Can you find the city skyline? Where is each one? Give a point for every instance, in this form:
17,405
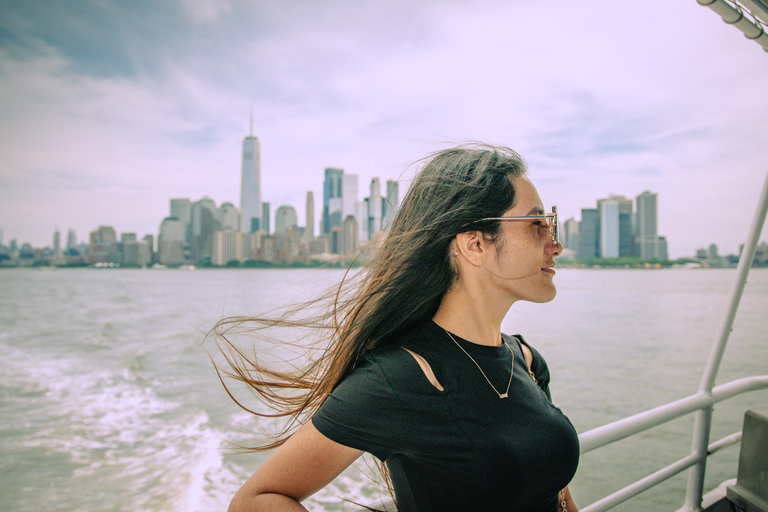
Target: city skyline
199,232
107,111
342,188
617,227
614,229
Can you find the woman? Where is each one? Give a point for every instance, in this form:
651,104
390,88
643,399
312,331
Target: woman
417,372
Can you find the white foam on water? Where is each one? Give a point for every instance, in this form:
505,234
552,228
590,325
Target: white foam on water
102,410
127,442
122,439
207,483
354,484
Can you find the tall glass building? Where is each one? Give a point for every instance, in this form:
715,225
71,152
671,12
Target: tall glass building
646,213
250,189
332,199
589,234
609,228
649,244
614,244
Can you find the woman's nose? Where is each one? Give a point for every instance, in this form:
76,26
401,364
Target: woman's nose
555,248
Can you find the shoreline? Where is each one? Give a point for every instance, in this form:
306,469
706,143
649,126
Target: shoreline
337,266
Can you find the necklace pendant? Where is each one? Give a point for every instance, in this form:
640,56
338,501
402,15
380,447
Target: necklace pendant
505,395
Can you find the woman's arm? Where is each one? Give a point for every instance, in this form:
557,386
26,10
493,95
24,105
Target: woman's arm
570,505
306,463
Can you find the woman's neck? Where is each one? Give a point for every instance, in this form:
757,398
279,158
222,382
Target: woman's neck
472,315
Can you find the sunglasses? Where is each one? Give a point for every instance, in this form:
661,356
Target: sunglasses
549,218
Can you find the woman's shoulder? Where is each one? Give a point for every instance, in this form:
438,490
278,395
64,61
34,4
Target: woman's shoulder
387,360
420,337
522,342
426,337
398,362
538,364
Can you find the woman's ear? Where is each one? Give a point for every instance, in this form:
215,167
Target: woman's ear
470,246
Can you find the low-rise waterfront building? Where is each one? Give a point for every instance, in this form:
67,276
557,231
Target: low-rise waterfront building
233,245
102,246
136,252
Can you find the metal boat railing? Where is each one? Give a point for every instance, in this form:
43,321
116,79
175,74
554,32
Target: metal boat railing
753,26
644,421
701,403
749,16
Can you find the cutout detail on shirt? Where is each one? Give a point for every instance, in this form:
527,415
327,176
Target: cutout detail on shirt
426,369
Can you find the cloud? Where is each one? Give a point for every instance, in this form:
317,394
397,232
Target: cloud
206,11
155,98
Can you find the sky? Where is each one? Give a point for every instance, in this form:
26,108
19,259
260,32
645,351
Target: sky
109,109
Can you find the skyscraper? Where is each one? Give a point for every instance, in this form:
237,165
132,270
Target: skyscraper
309,229
71,239
56,241
265,217
150,240
649,244
228,217
348,194
571,239
361,213
170,241
609,228
204,223
334,238
624,220
250,188
285,218
390,204
589,234
181,209
646,214
374,208
349,235
332,199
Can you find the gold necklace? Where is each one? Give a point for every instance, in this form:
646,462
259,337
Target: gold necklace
561,495
511,370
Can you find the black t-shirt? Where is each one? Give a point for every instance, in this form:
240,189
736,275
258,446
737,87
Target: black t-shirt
463,448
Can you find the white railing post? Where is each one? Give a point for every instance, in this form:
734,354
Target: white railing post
701,428
695,490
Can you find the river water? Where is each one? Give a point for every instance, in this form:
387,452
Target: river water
109,401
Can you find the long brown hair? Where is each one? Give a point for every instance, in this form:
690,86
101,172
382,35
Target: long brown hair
408,273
